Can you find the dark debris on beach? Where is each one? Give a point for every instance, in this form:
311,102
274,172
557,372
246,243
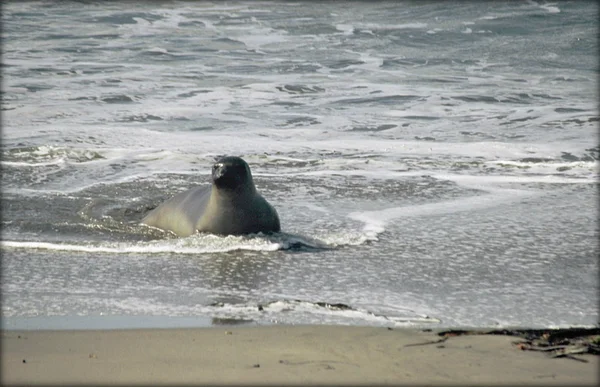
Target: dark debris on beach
564,342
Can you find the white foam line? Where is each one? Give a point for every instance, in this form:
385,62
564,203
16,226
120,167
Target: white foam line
572,164
466,179
127,249
34,192
375,221
316,311
548,7
383,174
483,182
26,164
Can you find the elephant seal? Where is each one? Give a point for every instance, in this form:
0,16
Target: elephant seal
231,206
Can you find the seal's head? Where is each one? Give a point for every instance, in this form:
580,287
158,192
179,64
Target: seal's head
232,173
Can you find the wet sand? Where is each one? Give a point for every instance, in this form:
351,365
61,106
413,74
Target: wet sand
287,355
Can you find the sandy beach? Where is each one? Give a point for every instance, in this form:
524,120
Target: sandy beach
288,355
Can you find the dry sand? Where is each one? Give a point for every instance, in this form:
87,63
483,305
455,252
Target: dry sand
285,355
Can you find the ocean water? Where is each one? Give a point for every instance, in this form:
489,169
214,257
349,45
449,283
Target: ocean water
433,163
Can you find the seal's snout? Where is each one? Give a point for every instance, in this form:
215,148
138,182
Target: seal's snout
219,170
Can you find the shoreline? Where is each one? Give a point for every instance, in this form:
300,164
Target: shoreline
120,322
308,354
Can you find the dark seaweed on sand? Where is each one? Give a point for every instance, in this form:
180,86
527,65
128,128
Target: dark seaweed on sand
564,342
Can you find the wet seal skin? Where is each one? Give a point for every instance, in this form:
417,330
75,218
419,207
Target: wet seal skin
230,206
